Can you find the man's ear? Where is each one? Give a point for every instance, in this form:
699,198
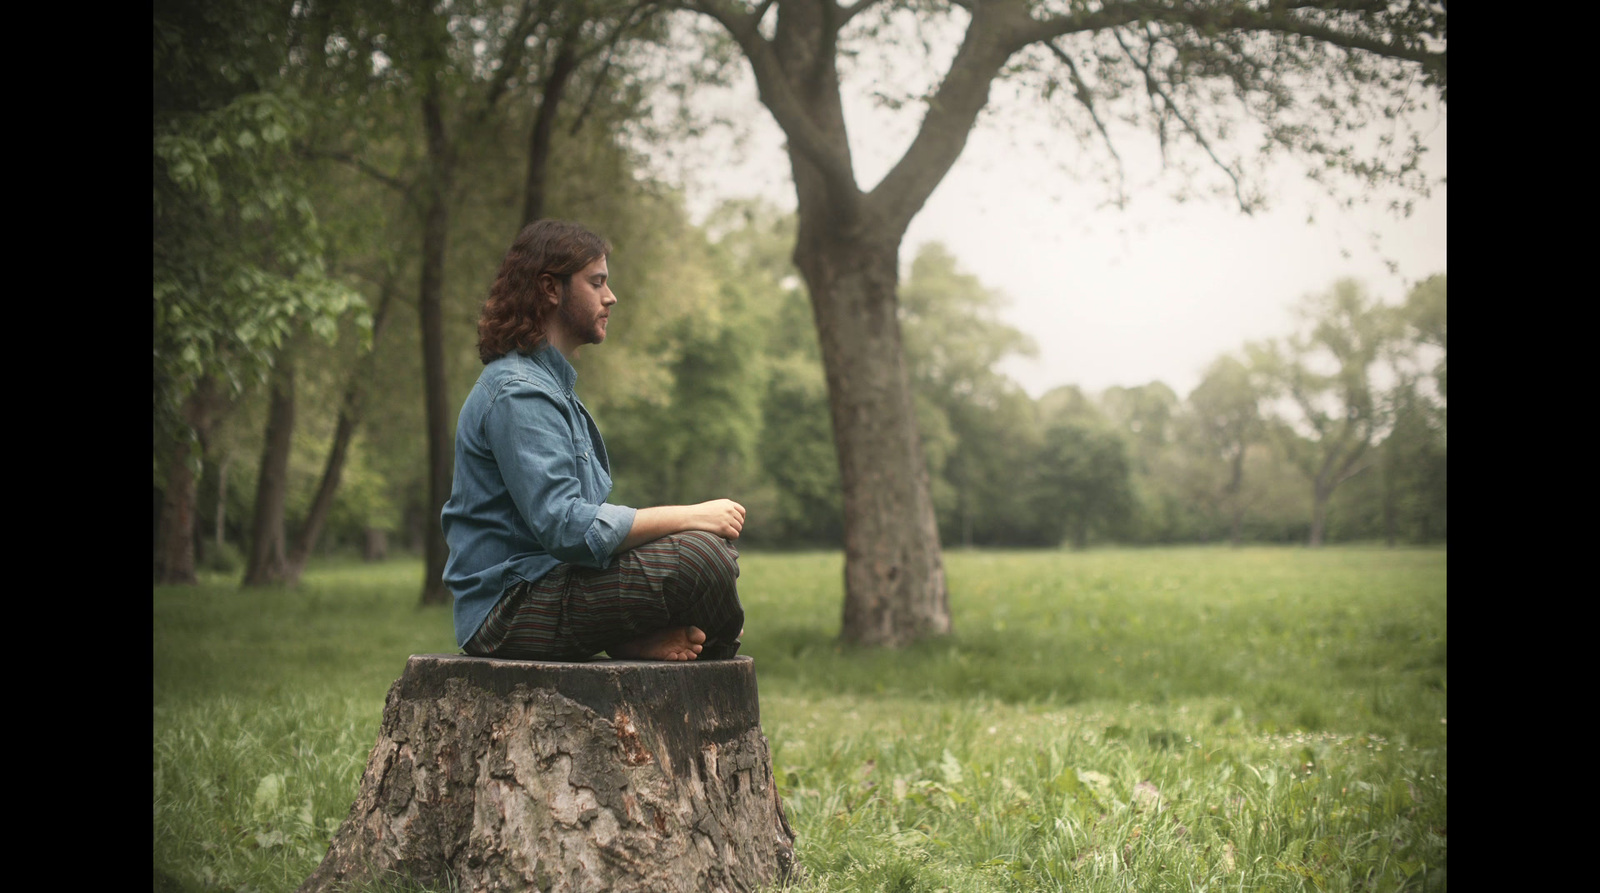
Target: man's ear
549,288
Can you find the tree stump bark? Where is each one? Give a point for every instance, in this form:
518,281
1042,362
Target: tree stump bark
600,776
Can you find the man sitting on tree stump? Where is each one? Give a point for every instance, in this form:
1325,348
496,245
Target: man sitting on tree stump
541,566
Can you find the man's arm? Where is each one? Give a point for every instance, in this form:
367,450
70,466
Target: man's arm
723,517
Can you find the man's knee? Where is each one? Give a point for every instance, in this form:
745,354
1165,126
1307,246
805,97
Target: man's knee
713,552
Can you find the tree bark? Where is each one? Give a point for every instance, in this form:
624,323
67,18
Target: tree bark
622,776
266,565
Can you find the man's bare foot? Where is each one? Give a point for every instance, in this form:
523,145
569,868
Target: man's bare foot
673,643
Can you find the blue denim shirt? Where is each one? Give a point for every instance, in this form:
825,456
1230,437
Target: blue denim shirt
531,479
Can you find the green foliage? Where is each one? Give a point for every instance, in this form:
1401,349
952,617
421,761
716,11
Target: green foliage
1083,483
238,250
978,427
239,257
1424,314
1107,720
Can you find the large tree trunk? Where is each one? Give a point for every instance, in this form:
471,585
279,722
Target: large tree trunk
895,589
847,249
266,565
621,776
435,240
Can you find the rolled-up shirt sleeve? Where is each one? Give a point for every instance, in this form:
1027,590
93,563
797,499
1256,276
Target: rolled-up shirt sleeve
538,457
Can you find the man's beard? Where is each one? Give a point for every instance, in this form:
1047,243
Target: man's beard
587,331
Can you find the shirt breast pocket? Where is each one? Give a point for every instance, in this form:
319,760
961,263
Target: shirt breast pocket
588,463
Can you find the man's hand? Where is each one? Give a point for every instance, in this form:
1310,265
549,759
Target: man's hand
723,517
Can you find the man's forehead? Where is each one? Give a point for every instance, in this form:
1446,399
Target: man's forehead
598,266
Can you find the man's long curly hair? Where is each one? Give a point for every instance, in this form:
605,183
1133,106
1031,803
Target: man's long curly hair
514,317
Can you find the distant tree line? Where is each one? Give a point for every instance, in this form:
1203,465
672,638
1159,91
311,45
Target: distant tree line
331,199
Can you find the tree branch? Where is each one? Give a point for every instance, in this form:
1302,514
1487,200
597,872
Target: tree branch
1030,30
638,15
388,180
1277,19
853,10
1082,93
1239,17
778,95
1153,85
511,57
952,112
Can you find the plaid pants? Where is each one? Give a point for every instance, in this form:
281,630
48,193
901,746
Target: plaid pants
572,613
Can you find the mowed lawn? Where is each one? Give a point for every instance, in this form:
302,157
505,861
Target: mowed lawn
1129,720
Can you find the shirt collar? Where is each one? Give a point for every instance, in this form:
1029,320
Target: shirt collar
552,360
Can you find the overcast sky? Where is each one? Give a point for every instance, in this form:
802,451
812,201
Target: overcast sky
1154,291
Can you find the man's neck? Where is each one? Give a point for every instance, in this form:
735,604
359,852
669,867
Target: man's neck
562,340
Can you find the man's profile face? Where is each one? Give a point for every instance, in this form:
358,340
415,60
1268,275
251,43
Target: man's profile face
586,304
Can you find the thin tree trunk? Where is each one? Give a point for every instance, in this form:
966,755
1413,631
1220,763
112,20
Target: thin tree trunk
1234,488
1319,515
350,414
266,564
376,545
1390,498
435,241
966,511
555,85
175,527
222,499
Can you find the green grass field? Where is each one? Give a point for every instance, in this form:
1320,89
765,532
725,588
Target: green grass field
1129,720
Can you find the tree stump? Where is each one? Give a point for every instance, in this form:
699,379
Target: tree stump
600,776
